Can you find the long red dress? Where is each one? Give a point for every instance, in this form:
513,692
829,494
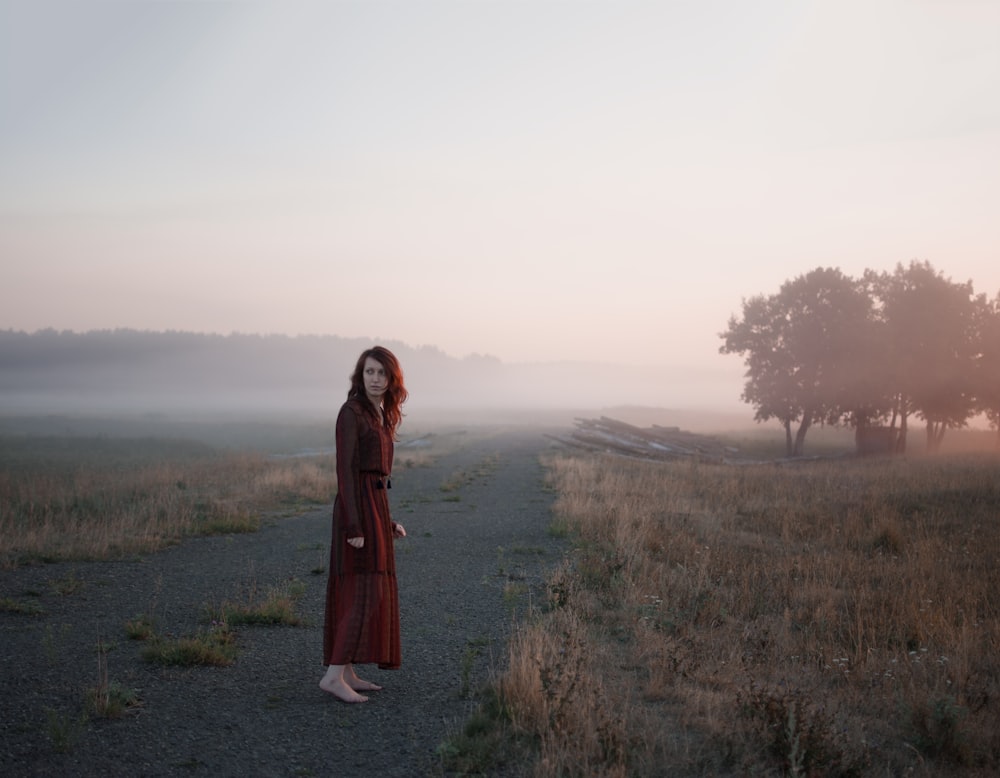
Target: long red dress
362,596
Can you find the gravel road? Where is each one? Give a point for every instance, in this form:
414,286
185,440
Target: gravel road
265,715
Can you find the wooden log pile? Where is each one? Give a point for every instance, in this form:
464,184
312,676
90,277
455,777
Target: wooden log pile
655,442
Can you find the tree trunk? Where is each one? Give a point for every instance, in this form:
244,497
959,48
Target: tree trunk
901,440
800,436
935,435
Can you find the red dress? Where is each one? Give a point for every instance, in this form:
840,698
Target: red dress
362,597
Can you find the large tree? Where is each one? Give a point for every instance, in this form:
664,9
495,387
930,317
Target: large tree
804,349
931,325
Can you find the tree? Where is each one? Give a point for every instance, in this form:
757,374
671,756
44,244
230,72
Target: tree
804,348
987,376
931,325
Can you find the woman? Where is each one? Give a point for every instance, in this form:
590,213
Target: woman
362,601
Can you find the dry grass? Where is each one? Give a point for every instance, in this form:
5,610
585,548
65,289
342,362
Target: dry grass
84,498
94,499
824,618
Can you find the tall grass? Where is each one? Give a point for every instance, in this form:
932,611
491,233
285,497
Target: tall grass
822,618
83,498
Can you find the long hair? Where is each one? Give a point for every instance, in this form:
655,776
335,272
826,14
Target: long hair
395,395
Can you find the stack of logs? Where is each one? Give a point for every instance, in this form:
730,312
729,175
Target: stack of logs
656,442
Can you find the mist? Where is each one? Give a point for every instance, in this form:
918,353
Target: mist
144,372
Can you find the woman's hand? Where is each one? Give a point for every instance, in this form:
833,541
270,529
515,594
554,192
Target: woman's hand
397,530
358,542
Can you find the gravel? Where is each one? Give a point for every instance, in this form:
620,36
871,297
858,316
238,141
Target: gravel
265,715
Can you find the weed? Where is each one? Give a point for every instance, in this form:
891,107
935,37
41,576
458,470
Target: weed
64,729
240,522
453,482
214,647
800,736
484,742
936,728
109,699
460,478
514,592
276,606
29,607
112,700
68,584
468,661
140,628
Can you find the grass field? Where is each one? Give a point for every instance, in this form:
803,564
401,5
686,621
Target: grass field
828,617
95,488
817,618
95,498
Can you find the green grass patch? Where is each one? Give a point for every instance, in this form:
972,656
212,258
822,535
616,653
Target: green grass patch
64,729
140,628
215,647
485,742
276,607
112,700
26,607
238,523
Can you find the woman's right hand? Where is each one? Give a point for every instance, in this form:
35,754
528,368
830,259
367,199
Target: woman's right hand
358,542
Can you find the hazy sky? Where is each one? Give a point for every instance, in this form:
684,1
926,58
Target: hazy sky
533,180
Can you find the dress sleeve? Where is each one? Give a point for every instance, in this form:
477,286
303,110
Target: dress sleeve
348,438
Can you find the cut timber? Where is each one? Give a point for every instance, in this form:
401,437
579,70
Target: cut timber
656,442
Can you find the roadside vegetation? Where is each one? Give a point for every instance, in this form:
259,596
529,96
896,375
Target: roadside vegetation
95,498
809,618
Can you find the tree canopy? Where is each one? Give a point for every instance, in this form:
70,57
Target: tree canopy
869,353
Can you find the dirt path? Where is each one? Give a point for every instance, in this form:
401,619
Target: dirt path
265,715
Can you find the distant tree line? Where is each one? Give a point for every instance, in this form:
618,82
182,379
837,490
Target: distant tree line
126,368
870,353
187,365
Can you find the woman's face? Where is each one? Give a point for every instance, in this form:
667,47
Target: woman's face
376,380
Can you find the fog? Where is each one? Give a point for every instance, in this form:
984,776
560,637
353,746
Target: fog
133,372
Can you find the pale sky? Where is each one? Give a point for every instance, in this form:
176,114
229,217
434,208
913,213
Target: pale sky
531,180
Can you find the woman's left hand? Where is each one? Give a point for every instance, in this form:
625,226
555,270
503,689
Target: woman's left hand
397,530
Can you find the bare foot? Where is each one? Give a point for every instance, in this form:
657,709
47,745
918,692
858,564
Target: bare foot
359,684
341,691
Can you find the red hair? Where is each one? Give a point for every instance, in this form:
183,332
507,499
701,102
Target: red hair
395,395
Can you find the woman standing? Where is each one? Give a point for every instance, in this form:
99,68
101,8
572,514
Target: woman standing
362,598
